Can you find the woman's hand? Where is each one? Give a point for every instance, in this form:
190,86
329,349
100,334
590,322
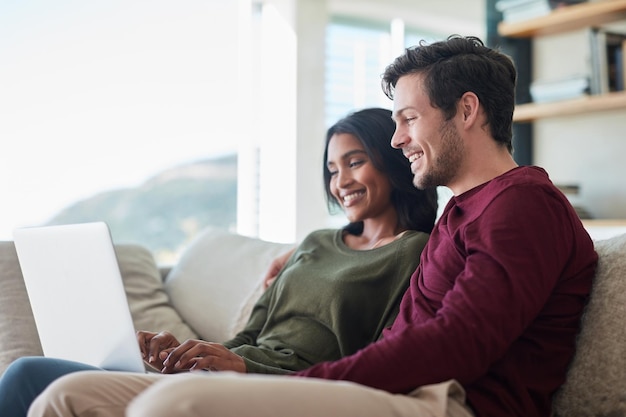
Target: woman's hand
198,355
275,267
155,347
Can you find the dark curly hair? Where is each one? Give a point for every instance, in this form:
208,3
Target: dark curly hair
456,66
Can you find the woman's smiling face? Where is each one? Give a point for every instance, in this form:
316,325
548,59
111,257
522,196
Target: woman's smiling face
358,186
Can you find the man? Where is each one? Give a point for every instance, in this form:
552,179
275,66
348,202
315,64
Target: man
488,325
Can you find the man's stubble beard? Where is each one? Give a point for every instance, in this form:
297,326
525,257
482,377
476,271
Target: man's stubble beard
445,167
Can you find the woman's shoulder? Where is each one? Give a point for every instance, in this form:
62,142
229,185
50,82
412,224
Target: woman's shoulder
323,233
321,236
411,241
415,236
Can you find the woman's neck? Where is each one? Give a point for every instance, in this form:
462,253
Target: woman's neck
373,236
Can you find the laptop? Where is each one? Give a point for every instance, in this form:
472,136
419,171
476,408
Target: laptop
77,296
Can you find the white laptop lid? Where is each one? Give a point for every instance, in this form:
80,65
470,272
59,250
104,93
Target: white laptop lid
77,296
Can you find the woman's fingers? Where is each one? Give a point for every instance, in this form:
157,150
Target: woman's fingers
197,355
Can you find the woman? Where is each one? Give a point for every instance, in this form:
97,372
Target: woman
334,295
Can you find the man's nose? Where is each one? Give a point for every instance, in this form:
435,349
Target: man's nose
398,140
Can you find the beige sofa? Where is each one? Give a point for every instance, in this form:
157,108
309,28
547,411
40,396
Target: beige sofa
209,293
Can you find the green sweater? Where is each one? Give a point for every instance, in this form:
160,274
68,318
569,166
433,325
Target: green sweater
327,302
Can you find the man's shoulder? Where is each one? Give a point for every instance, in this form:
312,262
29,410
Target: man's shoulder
521,182
523,175
521,195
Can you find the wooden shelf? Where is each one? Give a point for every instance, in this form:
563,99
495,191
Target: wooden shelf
588,104
568,18
604,222
600,229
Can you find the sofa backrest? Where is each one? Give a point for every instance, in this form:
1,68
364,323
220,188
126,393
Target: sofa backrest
218,279
596,381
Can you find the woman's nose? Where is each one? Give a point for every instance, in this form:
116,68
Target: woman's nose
344,178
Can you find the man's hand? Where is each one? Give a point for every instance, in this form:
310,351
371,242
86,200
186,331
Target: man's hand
198,355
275,267
155,347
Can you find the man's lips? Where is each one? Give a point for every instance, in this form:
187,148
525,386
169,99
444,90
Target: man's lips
414,156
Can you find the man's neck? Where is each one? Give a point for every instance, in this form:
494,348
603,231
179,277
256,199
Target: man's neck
482,168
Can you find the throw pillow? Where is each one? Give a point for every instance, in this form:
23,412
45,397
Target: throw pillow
217,280
147,299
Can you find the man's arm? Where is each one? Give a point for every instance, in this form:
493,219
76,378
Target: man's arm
511,266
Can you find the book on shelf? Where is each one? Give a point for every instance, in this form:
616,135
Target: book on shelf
607,60
620,76
564,3
543,91
572,192
518,10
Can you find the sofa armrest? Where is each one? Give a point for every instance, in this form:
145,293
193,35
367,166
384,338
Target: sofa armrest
18,333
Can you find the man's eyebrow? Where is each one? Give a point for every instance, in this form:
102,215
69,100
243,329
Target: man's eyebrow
398,113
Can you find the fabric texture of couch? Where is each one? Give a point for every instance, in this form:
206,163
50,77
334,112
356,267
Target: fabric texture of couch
209,293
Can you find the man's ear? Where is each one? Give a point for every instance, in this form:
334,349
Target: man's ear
468,106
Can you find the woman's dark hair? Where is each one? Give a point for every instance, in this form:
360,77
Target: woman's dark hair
373,127
458,65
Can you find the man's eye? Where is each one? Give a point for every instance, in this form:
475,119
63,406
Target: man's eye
408,120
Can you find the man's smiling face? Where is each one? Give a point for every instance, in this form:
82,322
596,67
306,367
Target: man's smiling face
432,144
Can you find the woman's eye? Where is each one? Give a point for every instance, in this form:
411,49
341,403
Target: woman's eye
332,173
354,164
408,120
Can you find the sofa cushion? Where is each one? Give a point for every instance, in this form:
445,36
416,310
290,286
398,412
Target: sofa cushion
18,333
217,280
147,299
596,381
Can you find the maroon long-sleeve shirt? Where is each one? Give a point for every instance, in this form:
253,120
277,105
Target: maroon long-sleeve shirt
495,303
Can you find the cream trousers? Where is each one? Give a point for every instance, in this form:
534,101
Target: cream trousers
224,394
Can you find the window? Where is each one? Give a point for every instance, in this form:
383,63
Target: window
413,37
357,53
123,112
118,111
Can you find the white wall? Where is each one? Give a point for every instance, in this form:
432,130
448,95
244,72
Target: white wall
312,18
290,129
101,95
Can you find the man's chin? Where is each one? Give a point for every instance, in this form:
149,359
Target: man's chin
418,182
423,182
